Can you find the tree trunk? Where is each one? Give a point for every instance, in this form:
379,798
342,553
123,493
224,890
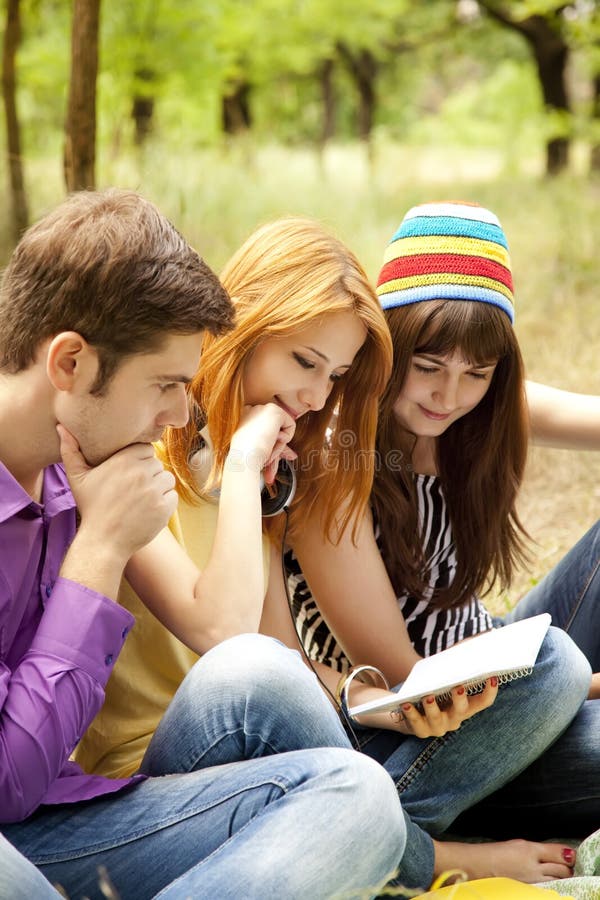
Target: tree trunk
363,69
551,54
595,153
12,37
328,98
365,81
80,136
235,109
142,109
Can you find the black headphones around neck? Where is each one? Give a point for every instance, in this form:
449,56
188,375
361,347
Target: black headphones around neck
279,495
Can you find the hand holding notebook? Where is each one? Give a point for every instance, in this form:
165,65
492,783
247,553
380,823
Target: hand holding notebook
508,652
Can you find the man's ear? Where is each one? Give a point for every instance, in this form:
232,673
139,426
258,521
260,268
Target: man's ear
71,362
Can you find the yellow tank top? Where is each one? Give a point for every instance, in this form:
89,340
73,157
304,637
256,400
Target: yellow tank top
151,666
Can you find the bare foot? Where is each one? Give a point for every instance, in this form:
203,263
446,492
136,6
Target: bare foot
594,693
522,860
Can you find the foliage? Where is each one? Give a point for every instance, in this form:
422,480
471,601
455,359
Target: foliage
430,62
42,72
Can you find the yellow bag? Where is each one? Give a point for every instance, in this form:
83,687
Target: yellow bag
491,889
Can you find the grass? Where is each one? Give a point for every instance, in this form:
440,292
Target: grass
218,196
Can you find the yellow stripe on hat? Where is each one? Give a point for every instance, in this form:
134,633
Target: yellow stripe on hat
401,284
462,246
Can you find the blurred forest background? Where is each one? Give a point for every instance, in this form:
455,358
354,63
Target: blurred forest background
228,113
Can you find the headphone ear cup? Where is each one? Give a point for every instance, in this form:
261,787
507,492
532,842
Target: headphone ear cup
279,495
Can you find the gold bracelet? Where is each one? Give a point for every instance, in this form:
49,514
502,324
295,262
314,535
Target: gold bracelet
343,685
339,687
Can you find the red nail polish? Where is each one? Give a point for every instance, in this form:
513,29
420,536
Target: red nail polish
493,681
431,700
406,707
460,690
569,856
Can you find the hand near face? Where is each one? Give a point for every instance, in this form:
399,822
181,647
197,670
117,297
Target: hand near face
262,438
124,501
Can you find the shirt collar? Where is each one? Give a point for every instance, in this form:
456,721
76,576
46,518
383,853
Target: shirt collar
13,498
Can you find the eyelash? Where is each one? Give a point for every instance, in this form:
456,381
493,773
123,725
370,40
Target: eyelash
163,388
302,361
431,370
306,364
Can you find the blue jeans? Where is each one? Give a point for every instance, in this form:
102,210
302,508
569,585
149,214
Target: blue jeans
436,779
559,794
310,823
571,594
439,778
19,879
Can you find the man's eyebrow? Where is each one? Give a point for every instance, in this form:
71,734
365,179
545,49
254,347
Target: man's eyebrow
326,358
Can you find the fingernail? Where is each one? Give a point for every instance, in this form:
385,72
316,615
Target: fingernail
406,707
494,681
460,690
568,856
431,700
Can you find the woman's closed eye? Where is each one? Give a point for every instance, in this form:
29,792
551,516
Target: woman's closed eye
482,375
303,361
427,370
432,369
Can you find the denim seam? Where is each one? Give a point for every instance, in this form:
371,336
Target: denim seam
581,597
175,819
418,764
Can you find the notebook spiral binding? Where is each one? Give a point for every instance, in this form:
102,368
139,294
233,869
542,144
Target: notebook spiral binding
476,687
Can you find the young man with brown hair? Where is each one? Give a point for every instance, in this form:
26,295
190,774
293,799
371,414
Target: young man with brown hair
102,310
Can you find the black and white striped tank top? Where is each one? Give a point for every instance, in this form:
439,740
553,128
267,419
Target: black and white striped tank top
430,630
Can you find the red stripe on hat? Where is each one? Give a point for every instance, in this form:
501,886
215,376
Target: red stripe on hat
451,263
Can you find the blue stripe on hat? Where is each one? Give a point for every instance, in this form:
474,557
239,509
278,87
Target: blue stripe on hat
422,226
446,292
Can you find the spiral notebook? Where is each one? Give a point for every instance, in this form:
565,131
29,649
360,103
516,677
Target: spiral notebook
508,652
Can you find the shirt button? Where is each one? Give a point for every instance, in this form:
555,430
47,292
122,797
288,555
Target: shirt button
108,659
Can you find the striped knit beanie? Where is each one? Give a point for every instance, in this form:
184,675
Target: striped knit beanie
447,251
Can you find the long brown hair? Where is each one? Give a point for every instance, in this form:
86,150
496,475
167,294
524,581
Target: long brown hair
480,457
288,275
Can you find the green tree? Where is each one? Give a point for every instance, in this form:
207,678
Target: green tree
542,25
159,62
583,23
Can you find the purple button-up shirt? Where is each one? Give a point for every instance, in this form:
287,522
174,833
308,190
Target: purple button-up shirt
58,644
